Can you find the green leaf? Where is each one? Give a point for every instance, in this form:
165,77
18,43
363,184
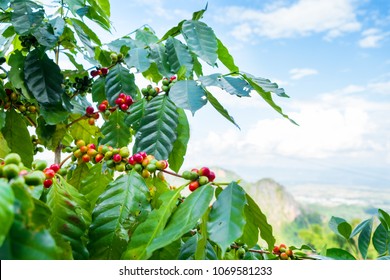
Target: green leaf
158,55
201,248
136,113
153,226
339,254
98,90
6,209
226,58
227,219
218,106
250,234
179,149
87,31
4,149
384,217
93,184
340,227
81,171
173,32
83,130
188,95
97,12
138,58
260,220
199,14
118,80
359,228
146,35
169,252
268,86
84,38
201,40
157,132
116,132
266,96
381,240
105,6
232,85
17,136
178,56
54,113
16,73
26,16
67,219
184,218
44,36
384,258
58,25
121,207
4,4
188,249
152,74
43,78
365,238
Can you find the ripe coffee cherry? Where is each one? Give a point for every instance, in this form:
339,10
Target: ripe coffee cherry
86,158
91,146
211,176
91,152
99,158
55,167
204,171
83,149
89,110
104,71
138,158
283,256
124,107
172,78
102,107
143,154
129,100
47,183
161,164
91,121
276,250
94,73
193,185
289,253
80,143
116,158
132,160
49,173
119,101
122,95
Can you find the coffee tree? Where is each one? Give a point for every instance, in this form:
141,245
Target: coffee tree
115,144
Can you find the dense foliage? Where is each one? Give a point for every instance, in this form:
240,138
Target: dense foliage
99,200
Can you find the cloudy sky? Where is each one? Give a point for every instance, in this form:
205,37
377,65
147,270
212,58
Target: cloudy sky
333,59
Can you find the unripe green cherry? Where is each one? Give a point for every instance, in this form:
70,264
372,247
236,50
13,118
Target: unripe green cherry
12,158
11,170
241,253
151,167
203,180
124,152
186,175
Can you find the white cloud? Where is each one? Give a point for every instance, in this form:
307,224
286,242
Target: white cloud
371,38
299,73
304,17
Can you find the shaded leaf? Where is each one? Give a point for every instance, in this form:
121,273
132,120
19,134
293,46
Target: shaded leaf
227,218
4,149
83,130
184,218
178,56
26,16
384,217
146,35
119,209
16,73
179,149
339,254
188,249
381,240
340,227
136,113
157,131
153,226
365,238
201,40
116,132
118,80
138,58
98,90
159,56
6,209
188,95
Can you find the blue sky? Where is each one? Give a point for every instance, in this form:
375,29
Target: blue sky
332,58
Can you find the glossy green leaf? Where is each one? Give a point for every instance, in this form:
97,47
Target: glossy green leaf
188,95
116,132
136,113
45,36
266,96
98,90
43,78
153,226
227,218
105,6
384,258
232,85
339,254
84,38
83,130
121,207
152,73
118,80
146,35
260,220
173,32
18,139
269,86
16,73
359,227
87,31
54,113
384,217
6,209
58,25
78,174
184,218
188,249
178,56
138,58
98,13
26,16
203,242
4,149
67,219
93,184
169,252
201,40
340,227
365,238
157,131
179,149
158,55
381,240
250,234
226,58
218,106
199,14
4,4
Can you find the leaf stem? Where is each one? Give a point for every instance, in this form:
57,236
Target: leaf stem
65,160
76,120
172,173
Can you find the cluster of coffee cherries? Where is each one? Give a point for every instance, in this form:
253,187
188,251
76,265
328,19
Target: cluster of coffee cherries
36,142
81,86
283,252
50,172
92,115
116,57
12,169
15,100
198,177
28,41
150,92
99,72
118,159
240,249
123,102
168,83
